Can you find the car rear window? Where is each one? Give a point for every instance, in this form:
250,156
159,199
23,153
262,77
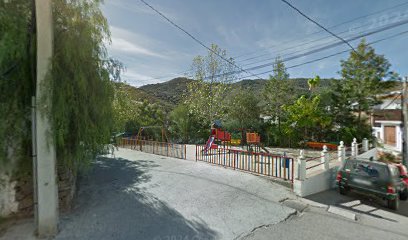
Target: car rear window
368,169
394,172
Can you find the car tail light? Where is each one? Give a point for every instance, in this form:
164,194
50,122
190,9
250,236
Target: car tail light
390,189
338,177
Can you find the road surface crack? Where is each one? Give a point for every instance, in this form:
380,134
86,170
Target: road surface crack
290,216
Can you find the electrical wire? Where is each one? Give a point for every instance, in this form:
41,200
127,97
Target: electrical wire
296,56
316,50
393,100
197,40
331,27
295,46
318,24
334,54
387,27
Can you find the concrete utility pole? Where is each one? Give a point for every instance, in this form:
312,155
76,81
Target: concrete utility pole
404,106
46,213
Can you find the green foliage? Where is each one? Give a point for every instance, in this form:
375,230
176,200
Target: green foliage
278,92
181,122
364,76
82,91
16,78
306,119
125,110
313,82
205,96
243,110
130,112
184,126
79,83
170,92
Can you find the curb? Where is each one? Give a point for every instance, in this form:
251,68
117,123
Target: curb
331,209
342,212
314,204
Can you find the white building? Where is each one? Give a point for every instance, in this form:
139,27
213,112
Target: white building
387,121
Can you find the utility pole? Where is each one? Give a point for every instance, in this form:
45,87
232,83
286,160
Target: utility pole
405,122
46,190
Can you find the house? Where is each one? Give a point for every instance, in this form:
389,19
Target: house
386,120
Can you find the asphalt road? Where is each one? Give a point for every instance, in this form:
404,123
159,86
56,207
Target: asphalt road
134,195
142,196
374,220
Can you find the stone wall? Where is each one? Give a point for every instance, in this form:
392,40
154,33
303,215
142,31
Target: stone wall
8,203
17,195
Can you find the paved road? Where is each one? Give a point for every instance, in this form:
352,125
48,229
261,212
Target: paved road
143,196
374,220
135,195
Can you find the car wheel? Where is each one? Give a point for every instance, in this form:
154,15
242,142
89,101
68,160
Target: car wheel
343,190
404,195
393,204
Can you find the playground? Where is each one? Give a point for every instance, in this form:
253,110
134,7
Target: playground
246,153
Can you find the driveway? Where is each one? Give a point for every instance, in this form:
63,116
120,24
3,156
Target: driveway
365,207
135,195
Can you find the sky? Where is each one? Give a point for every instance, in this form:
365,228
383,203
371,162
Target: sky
252,32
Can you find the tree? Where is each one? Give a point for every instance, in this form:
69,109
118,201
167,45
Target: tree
183,126
278,92
313,83
243,111
125,110
306,119
364,75
80,82
212,75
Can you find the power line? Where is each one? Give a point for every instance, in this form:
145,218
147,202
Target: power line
289,48
303,54
393,100
318,24
334,26
184,73
316,50
197,40
387,27
319,49
334,54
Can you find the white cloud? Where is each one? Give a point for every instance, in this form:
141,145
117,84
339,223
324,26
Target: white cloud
125,41
230,35
125,46
134,78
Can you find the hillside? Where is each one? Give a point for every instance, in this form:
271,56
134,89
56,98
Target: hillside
173,90
170,92
138,94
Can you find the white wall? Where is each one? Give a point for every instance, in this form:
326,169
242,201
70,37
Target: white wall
315,184
398,132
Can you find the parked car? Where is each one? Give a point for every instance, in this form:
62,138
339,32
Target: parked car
373,178
404,176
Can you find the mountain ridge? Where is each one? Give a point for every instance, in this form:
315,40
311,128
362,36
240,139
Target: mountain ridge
173,90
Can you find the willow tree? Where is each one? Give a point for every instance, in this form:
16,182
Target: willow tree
206,95
80,82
